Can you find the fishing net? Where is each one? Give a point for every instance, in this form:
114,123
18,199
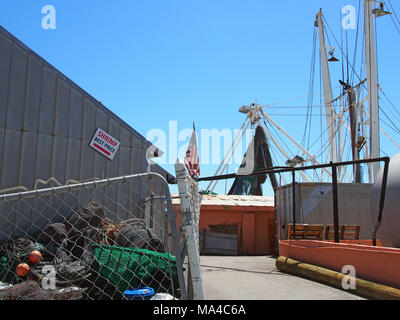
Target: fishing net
16,252
132,268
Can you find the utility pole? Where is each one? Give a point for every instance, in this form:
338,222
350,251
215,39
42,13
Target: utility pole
326,80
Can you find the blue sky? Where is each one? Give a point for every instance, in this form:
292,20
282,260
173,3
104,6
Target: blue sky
155,61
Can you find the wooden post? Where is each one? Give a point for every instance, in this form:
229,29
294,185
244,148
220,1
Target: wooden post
189,233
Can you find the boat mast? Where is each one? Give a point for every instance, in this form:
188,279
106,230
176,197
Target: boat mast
354,134
326,80
372,80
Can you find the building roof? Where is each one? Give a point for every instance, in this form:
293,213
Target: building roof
232,200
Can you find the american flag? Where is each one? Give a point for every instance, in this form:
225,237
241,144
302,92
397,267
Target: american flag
192,156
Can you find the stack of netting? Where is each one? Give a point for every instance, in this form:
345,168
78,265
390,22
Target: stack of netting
91,255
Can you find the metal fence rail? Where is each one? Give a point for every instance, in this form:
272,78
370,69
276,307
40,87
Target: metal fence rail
335,201
78,242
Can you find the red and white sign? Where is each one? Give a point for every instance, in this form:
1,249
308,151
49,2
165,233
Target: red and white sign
105,144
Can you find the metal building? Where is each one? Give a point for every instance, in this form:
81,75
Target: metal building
47,123
314,205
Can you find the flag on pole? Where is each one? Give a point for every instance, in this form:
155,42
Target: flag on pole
192,156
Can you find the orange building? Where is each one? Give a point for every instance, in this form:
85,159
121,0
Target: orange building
252,216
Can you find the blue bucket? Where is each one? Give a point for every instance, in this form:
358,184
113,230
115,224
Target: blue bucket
144,293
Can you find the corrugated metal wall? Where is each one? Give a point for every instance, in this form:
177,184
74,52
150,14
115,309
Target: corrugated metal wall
46,125
47,122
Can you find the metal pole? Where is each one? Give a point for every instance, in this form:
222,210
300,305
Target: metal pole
326,80
288,169
278,216
294,202
151,210
276,244
372,80
78,186
381,200
177,248
335,203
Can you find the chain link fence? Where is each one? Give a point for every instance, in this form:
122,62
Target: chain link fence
105,239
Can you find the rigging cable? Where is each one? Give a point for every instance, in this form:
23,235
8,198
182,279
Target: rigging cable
395,15
341,49
390,120
380,89
311,99
310,90
356,41
347,54
304,174
390,102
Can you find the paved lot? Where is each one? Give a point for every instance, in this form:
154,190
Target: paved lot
256,278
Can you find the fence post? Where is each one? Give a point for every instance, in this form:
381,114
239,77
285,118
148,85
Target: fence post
189,232
335,203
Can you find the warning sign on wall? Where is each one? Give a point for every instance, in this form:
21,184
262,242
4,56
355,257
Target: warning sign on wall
105,144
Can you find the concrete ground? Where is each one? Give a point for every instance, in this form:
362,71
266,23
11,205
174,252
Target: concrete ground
256,278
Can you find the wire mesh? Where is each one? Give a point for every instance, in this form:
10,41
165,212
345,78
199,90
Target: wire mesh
109,239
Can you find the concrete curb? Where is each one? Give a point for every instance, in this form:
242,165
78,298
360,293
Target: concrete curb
363,288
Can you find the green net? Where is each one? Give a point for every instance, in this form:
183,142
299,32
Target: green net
132,268
4,269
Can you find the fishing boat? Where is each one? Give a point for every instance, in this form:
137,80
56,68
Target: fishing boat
341,178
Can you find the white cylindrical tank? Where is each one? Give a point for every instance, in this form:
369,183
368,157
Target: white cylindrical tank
389,230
